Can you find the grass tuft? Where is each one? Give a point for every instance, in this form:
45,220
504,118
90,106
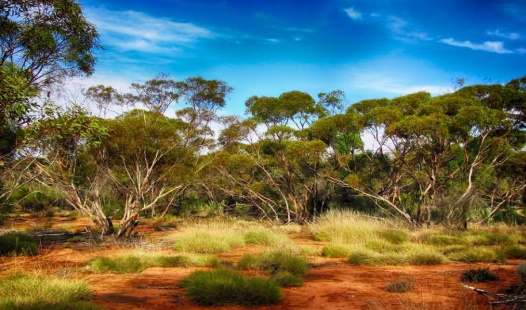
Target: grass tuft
274,262
38,292
473,255
287,279
264,237
336,250
137,262
478,275
226,287
15,243
400,286
515,252
209,243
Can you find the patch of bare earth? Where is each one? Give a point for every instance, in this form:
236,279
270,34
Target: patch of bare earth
329,284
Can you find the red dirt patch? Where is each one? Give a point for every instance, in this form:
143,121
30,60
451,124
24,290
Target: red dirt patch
329,284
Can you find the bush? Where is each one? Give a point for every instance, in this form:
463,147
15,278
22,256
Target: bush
226,287
15,243
426,257
399,286
478,275
37,292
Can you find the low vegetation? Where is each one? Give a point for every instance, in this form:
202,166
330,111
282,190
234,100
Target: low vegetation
478,275
137,262
399,286
274,262
227,287
16,243
36,292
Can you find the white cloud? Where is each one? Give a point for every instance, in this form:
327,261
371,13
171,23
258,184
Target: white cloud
521,50
510,35
403,30
130,30
352,13
488,46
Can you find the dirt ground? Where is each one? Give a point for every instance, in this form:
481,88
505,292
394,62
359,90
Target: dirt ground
329,283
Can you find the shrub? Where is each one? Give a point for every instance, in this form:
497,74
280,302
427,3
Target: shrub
473,255
336,250
399,286
37,292
478,275
368,258
515,252
206,242
285,278
226,287
15,243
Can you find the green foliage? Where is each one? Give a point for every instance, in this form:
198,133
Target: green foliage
442,240
473,255
206,242
400,286
336,250
263,236
226,287
15,243
275,261
478,275
48,39
394,236
137,262
36,292
515,252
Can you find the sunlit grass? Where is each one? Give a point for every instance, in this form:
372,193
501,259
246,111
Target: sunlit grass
39,292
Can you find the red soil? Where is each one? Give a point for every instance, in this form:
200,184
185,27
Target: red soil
329,284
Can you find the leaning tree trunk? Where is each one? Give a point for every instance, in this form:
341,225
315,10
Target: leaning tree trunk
130,219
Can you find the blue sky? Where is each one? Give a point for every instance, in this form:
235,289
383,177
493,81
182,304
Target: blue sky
369,49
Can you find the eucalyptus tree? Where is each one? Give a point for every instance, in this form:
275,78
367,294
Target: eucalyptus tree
47,39
431,153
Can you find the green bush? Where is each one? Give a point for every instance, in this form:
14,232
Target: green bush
15,243
478,275
42,293
400,286
226,287
426,257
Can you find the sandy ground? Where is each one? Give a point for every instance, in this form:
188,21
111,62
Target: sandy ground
329,283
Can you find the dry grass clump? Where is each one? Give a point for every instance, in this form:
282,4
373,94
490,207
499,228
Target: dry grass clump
399,286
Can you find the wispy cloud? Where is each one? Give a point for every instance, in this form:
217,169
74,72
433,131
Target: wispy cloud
488,46
353,13
403,30
136,31
521,50
509,35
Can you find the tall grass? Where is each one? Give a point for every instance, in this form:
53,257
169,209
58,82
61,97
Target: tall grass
38,292
274,262
202,241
